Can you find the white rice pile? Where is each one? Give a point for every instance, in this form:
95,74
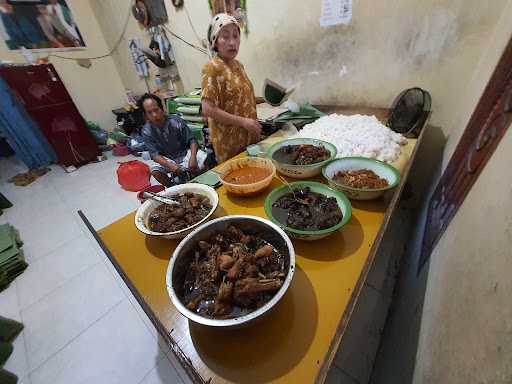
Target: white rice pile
357,135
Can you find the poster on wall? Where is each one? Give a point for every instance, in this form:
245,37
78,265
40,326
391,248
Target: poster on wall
39,24
236,8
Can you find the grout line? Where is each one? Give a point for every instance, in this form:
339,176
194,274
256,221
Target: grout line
60,286
77,336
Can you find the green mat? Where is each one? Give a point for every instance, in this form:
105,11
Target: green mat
12,260
7,377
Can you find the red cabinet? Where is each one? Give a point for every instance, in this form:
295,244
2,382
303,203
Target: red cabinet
40,89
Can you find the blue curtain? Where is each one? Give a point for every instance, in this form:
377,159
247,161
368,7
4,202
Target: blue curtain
22,134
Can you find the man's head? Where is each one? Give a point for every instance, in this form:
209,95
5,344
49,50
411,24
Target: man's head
153,108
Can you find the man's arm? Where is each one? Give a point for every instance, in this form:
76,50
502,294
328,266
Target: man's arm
170,165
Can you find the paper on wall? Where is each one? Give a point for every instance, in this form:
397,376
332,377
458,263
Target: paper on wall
335,12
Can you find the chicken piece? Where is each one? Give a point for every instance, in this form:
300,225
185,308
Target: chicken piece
235,233
192,304
212,254
224,298
264,251
225,292
250,270
249,288
225,262
178,212
235,269
204,246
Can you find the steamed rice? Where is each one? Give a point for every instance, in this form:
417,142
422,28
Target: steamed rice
357,135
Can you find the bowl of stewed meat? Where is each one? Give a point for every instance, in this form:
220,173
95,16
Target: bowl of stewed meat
301,158
185,207
361,178
230,271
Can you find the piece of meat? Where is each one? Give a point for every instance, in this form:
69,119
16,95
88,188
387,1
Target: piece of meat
235,270
192,304
235,233
250,287
204,246
264,251
223,301
225,262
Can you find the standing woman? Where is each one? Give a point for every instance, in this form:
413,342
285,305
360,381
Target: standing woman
228,95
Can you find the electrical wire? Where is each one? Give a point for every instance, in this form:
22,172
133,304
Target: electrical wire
200,49
192,24
114,48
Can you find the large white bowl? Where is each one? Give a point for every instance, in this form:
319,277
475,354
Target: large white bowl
142,215
383,170
301,171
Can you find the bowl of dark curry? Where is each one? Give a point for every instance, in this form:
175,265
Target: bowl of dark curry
308,210
196,204
247,176
361,178
230,271
301,158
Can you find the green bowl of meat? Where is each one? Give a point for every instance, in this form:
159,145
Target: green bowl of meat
361,178
301,158
313,211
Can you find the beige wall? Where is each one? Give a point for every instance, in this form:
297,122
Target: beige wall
97,90
387,47
466,331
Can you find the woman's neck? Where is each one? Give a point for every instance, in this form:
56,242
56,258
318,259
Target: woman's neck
227,61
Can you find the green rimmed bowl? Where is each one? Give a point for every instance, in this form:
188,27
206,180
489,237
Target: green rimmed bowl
343,203
382,169
301,171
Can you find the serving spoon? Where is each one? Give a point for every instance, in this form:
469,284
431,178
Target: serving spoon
161,199
297,199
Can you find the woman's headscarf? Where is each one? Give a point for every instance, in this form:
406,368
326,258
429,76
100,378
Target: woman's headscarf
218,21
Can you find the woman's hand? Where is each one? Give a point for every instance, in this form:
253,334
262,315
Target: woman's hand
253,128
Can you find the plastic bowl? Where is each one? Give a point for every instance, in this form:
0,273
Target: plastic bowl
301,171
143,212
182,257
382,169
247,189
343,203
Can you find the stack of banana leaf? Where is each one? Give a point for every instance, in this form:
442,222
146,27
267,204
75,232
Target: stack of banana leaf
188,108
12,261
9,330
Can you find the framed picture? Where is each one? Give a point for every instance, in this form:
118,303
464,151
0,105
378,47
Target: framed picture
39,24
236,8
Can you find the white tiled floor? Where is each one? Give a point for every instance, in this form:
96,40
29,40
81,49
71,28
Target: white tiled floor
82,325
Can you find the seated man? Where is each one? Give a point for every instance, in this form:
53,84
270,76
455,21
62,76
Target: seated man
169,141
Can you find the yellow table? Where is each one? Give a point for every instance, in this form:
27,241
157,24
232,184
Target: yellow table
297,341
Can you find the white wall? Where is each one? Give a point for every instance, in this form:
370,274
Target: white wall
466,330
96,90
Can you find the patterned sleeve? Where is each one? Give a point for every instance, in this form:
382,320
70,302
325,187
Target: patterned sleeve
210,85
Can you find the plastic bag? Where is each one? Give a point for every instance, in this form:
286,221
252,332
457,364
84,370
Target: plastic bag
133,175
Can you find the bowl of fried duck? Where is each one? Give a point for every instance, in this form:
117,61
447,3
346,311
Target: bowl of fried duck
185,207
361,178
301,158
230,271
